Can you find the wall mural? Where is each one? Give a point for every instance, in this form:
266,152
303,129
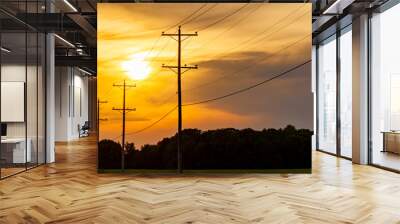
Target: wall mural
204,87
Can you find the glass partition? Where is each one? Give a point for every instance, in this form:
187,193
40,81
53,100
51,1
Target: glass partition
327,95
41,85
13,94
346,92
385,89
22,92
31,98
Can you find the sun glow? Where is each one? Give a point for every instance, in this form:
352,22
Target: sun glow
137,67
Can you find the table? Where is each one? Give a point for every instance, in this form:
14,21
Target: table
391,141
13,150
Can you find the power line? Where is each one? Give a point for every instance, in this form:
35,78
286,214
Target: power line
223,18
240,20
154,123
244,68
253,39
166,44
170,27
107,95
181,22
258,35
247,88
152,48
162,49
202,13
169,61
148,126
216,98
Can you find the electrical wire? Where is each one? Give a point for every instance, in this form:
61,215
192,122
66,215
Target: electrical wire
201,14
247,88
253,39
217,98
243,69
246,67
222,19
187,17
152,124
158,39
240,20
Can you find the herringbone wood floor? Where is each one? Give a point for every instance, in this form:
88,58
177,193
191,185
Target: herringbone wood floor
70,191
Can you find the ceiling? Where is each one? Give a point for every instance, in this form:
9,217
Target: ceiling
75,23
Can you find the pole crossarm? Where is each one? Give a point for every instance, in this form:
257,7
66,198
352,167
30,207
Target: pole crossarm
179,35
124,109
182,35
99,102
187,67
126,86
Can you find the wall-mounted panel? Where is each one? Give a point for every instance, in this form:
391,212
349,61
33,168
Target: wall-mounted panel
12,101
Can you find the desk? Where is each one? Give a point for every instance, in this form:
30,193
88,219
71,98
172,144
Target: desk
391,141
13,150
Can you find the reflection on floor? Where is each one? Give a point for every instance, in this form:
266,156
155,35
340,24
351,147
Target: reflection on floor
387,159
9,170
71,191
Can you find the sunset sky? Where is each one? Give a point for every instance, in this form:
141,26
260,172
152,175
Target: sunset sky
237,45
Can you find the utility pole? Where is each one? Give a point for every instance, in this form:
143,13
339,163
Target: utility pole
179,72
99,102
124,111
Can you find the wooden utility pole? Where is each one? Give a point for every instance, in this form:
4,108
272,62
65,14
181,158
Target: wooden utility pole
179,72
124,110
99,102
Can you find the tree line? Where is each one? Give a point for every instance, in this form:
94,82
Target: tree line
228,148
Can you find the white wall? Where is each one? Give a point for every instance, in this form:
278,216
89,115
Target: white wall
12,73
62,81
71,102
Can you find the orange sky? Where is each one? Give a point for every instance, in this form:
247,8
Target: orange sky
266,38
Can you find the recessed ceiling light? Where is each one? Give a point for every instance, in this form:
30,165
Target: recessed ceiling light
5,50
64,40
84,71
70,5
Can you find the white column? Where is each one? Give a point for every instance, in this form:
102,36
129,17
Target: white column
50,99
314,93
63,100
360,90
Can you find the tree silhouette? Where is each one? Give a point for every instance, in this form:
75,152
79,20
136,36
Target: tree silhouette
228,148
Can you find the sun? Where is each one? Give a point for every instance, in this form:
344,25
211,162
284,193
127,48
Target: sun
137,67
